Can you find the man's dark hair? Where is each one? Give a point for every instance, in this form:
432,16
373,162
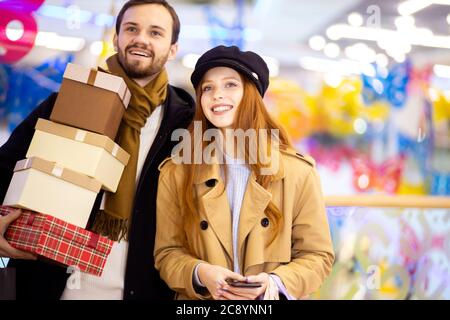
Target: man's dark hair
132,3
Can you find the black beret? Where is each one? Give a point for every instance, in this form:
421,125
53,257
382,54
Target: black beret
247,63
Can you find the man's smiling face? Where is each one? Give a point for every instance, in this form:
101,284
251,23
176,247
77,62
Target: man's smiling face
144,40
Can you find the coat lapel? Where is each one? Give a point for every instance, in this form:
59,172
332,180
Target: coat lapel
215,205
255,201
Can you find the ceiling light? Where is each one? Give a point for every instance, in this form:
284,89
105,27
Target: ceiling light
355,19
419,36
360,52
447,95
14,30
204,32
341,67
190,60
333,32
317,43
96,48
400,58
332,50
51,40
404,22
69,13
350,52
332,79
382,60
394,46
433,94
360,126
441,71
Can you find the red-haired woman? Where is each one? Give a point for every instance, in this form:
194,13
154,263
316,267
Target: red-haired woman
248,221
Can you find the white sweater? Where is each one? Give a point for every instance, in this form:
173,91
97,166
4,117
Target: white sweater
237,176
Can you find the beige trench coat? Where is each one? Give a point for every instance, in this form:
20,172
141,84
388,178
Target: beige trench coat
301,255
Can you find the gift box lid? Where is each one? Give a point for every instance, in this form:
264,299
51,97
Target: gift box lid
62,173
84,136
99,78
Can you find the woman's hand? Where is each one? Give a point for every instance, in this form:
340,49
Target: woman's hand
214,277
237,293
5,248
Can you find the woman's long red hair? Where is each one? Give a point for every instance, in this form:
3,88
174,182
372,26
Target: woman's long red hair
251,114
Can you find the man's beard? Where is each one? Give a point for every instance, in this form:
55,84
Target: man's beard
136,70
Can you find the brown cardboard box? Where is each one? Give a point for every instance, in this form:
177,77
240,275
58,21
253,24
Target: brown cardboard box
91,100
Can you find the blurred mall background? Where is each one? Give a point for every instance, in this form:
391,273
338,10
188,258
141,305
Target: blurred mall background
361,85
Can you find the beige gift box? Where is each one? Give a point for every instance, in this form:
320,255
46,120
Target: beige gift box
82,151
91,99
42,186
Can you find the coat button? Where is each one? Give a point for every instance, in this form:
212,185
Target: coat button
204,225
210,183
265,222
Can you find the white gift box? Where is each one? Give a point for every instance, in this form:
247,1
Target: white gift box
86,152
42,186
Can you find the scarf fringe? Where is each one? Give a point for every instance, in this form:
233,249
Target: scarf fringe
111,227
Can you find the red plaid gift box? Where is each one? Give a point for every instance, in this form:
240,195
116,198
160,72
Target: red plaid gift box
58,240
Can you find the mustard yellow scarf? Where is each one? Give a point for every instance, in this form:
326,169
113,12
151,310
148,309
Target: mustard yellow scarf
114,220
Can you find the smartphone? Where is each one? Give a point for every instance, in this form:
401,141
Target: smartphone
243,284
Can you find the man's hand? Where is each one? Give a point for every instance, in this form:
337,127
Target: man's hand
5,249
214,278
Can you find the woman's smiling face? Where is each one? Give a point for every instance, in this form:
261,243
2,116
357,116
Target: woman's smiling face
222,90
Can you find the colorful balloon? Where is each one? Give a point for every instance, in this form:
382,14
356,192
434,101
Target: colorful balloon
391,87
22,11
369,176
293,108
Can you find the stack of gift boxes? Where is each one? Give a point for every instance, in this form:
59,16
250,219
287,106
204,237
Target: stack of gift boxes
69,160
